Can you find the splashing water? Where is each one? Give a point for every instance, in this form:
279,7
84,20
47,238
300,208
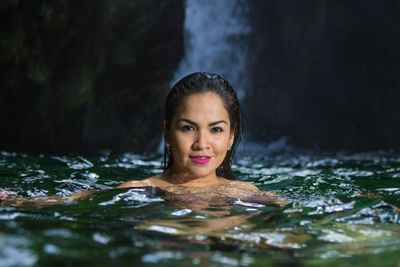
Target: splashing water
215,41
343,210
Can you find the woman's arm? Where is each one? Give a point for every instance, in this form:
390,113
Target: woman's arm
250,193
153,181
136,183
12,200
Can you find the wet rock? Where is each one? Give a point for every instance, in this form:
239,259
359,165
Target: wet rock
325,73
86,76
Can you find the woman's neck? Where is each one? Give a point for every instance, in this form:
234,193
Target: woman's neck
186,179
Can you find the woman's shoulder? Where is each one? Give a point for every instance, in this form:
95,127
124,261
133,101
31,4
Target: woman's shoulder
249,192
153,181
135,183
239,184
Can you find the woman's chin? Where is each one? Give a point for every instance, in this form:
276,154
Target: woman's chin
200,173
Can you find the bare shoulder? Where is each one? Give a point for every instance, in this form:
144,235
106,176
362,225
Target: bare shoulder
137,183
241,184
151,181
249,192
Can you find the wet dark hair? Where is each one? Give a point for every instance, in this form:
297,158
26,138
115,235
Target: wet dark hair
202,82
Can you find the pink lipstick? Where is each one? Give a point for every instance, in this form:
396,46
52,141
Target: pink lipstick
200,159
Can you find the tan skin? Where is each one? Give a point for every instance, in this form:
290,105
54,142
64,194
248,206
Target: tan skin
200,136
200,127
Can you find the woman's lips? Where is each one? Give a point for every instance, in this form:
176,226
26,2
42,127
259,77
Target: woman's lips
200,159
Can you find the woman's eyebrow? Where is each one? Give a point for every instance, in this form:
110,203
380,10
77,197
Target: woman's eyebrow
187,121
217,122
210,124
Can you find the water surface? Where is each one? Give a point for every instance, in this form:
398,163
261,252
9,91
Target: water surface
343,210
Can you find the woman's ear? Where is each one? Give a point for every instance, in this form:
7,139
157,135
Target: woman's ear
165,132
231,140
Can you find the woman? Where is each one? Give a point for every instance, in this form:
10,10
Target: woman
202,129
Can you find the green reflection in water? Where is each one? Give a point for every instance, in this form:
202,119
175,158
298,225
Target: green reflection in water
343,210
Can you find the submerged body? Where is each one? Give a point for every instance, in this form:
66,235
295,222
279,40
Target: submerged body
202,129
211,191
220,193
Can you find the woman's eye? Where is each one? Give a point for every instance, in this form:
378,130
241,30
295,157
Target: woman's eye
187,128
217,129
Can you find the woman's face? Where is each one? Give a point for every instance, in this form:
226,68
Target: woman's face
199,135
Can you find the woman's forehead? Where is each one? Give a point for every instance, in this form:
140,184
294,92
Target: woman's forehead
202,105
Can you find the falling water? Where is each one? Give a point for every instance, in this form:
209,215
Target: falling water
215,40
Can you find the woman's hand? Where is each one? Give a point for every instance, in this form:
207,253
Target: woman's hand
3,195
9,199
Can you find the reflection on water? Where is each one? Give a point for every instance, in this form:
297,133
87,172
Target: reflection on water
343,210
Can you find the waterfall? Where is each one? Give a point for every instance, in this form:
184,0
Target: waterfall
215,41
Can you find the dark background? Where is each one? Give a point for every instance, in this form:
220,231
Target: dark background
326,73
82,76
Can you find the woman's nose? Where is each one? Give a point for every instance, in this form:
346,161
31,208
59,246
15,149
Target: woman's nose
200,142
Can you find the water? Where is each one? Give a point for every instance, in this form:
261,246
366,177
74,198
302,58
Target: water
216,41
343,210
215,35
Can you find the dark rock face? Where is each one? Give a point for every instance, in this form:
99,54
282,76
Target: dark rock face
92,75
86,75
326,73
